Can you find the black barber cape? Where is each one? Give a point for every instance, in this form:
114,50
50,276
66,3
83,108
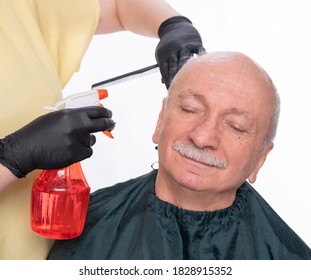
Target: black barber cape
127,221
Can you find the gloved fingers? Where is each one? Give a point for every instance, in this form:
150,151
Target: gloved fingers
55,140
92,140
164,72
78,148
83,154
184,55
101,124
201,50
68,158
96,119
169,69
98,112
173,63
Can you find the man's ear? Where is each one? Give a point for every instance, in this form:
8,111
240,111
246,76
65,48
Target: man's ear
253,176
156,133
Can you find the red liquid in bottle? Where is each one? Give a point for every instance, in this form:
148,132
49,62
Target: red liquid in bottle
59,202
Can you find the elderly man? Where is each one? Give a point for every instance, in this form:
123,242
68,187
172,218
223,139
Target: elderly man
214,132
42,46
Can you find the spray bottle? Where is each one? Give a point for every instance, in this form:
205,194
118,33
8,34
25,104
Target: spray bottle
59,199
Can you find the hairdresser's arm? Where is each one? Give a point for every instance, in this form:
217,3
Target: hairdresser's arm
52,141
139,16
179,39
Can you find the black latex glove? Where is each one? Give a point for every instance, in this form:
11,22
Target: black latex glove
179,40
54,140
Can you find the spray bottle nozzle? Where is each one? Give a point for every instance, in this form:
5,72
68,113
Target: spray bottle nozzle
102,93
82,99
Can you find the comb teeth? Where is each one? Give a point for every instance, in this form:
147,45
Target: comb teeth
127,77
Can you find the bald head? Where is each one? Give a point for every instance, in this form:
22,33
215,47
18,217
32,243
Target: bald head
237,71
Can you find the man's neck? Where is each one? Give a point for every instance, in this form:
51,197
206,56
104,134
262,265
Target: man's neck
191,199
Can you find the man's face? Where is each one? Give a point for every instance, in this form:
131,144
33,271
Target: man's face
211,129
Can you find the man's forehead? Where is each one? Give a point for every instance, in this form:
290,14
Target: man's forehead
224,70
217,64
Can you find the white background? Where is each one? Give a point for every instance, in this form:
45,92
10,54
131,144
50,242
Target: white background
274,33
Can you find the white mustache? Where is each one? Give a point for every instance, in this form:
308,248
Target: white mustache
200,155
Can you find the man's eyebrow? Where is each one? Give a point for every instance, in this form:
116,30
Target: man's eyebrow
231,111
243,113
190,93
239,112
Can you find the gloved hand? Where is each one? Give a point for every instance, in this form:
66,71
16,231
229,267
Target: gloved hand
54,140
179,40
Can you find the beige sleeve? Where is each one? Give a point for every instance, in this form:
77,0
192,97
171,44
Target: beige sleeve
67,27
42,45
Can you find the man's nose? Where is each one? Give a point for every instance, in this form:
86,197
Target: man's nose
206,134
